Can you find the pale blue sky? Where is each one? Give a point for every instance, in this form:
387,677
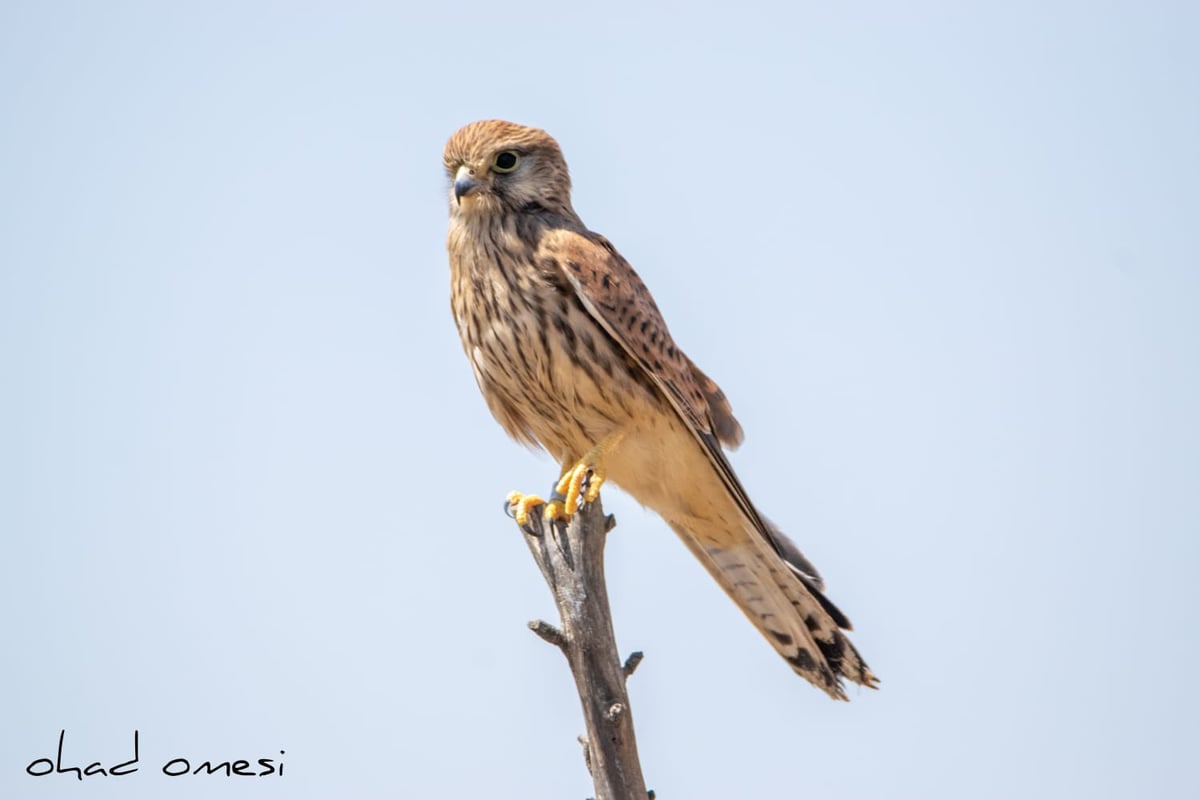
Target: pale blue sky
944,258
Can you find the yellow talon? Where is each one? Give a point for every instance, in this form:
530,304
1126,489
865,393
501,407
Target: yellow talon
556,510
570,485
588,470
522,504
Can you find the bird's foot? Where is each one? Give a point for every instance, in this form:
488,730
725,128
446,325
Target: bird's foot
579,484
522,507
519,506
556,509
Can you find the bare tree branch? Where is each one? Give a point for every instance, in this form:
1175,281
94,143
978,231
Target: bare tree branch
571,558
548,632
632,662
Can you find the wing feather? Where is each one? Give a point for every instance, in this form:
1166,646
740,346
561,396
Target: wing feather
612,293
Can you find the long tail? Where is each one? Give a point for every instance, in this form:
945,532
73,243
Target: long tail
786,604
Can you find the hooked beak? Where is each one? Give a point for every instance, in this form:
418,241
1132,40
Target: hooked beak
465,184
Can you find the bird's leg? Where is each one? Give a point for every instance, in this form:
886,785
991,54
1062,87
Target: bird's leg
581,480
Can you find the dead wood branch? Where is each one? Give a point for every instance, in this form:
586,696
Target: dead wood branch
571,558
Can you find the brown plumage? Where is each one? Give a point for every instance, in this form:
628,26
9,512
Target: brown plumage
570,351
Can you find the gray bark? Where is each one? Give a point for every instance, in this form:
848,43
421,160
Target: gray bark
571,558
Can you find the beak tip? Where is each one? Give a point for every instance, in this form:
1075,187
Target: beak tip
464,185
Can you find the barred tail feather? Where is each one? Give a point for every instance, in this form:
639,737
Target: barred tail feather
803,626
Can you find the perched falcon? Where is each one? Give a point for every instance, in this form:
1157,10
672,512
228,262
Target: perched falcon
572,355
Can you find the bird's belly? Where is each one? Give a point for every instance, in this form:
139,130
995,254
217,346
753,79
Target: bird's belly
551,374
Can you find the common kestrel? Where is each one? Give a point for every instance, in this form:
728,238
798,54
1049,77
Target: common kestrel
572,355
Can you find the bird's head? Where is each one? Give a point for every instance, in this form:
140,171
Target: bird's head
498,167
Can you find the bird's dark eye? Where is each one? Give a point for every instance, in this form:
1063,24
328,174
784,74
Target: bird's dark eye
505,161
